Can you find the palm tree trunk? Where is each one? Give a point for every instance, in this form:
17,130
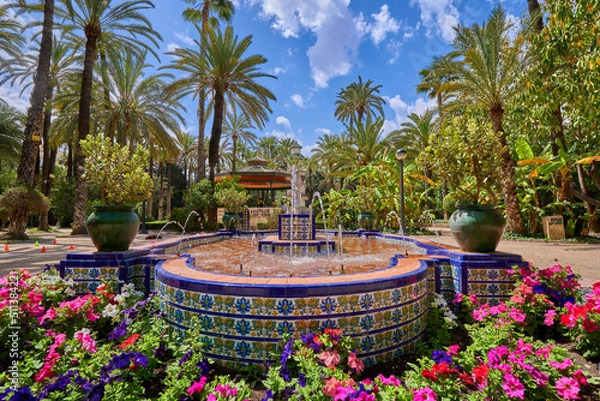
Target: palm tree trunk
35,114
161,191
85,101
234,150
213,149
201,128
151,199
169,188
49,157
533,6
509,187
594,225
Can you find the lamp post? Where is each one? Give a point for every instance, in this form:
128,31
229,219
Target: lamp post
401,156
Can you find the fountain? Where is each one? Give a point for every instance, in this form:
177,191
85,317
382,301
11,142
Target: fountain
247,300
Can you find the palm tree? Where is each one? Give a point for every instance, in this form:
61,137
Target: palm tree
187,154
11,39
328,150
366,143
487,64
358,100
33,127
11,126
122,24
200,11
266,147
433,78
237,127
138,108
228,75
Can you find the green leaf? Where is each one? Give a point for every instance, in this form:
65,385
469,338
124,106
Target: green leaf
523,149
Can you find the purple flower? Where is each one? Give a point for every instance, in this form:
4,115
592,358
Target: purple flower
285,373
301,380
440,356
59,385
83,383
288,348
268,395
204,367
119,362
540,288
97,393
139,359
186,357
23,394
567,299
119,331
160,351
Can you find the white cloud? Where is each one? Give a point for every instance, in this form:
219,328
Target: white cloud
402,109
279,70
298,100
337,35
185,38
384,23
171,47
11,96
280,134
323,131
308,149
284,121
439,17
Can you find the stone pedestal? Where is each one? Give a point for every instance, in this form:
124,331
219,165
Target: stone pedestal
554,227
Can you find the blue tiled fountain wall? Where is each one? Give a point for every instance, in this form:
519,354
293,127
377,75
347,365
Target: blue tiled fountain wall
244,323
298,226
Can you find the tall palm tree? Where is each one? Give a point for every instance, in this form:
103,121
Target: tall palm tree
266,147
123,24
35,114
237,128
366,141
200,11
138,108
227,75
487,64
187,154
328,149
433,78
357,101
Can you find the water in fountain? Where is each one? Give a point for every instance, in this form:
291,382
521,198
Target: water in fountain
318,196
158,236
187,219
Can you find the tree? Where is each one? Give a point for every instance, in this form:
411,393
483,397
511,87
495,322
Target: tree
10,38
98,20
365,143
139,111
357,101
200,11
11,122
226,74
486,64
237,127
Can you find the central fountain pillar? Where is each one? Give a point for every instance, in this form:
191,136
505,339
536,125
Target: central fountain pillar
298,232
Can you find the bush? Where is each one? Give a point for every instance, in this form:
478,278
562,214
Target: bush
63,193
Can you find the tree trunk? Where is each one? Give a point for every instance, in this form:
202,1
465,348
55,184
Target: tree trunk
35,114
169,188
213,149
161,191
151,199
234,140
594,225
18,224
48,158
533,6
85,100
201,128
509,187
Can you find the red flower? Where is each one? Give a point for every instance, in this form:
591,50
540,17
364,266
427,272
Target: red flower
480,373
441,368
129,341
428,374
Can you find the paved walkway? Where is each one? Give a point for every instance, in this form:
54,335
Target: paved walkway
584,258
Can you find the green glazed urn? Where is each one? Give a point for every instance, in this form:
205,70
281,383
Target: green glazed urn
477,227
230,220
366,220
113,228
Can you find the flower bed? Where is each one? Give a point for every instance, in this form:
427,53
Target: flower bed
114,345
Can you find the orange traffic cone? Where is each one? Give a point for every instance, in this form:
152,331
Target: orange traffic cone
43,249
71,247
54,241
6,248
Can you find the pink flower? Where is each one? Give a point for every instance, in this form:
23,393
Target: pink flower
342,393
568,388
458,298
211,397
480,314
589,325
390,381
453,349
355,363
513,387
425,394
197,386
330,386
50,315
549,317
544,352
330,358
516,315
562,365
580,376
87,342
225,390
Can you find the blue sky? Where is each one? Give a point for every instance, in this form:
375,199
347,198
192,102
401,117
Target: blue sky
317,47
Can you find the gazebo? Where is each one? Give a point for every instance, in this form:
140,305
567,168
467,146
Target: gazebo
258,176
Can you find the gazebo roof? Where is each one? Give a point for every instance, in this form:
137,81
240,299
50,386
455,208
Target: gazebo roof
257,175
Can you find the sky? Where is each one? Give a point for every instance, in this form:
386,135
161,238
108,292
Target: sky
317,47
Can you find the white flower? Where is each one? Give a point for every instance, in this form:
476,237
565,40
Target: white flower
110,310
119,298
70,292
